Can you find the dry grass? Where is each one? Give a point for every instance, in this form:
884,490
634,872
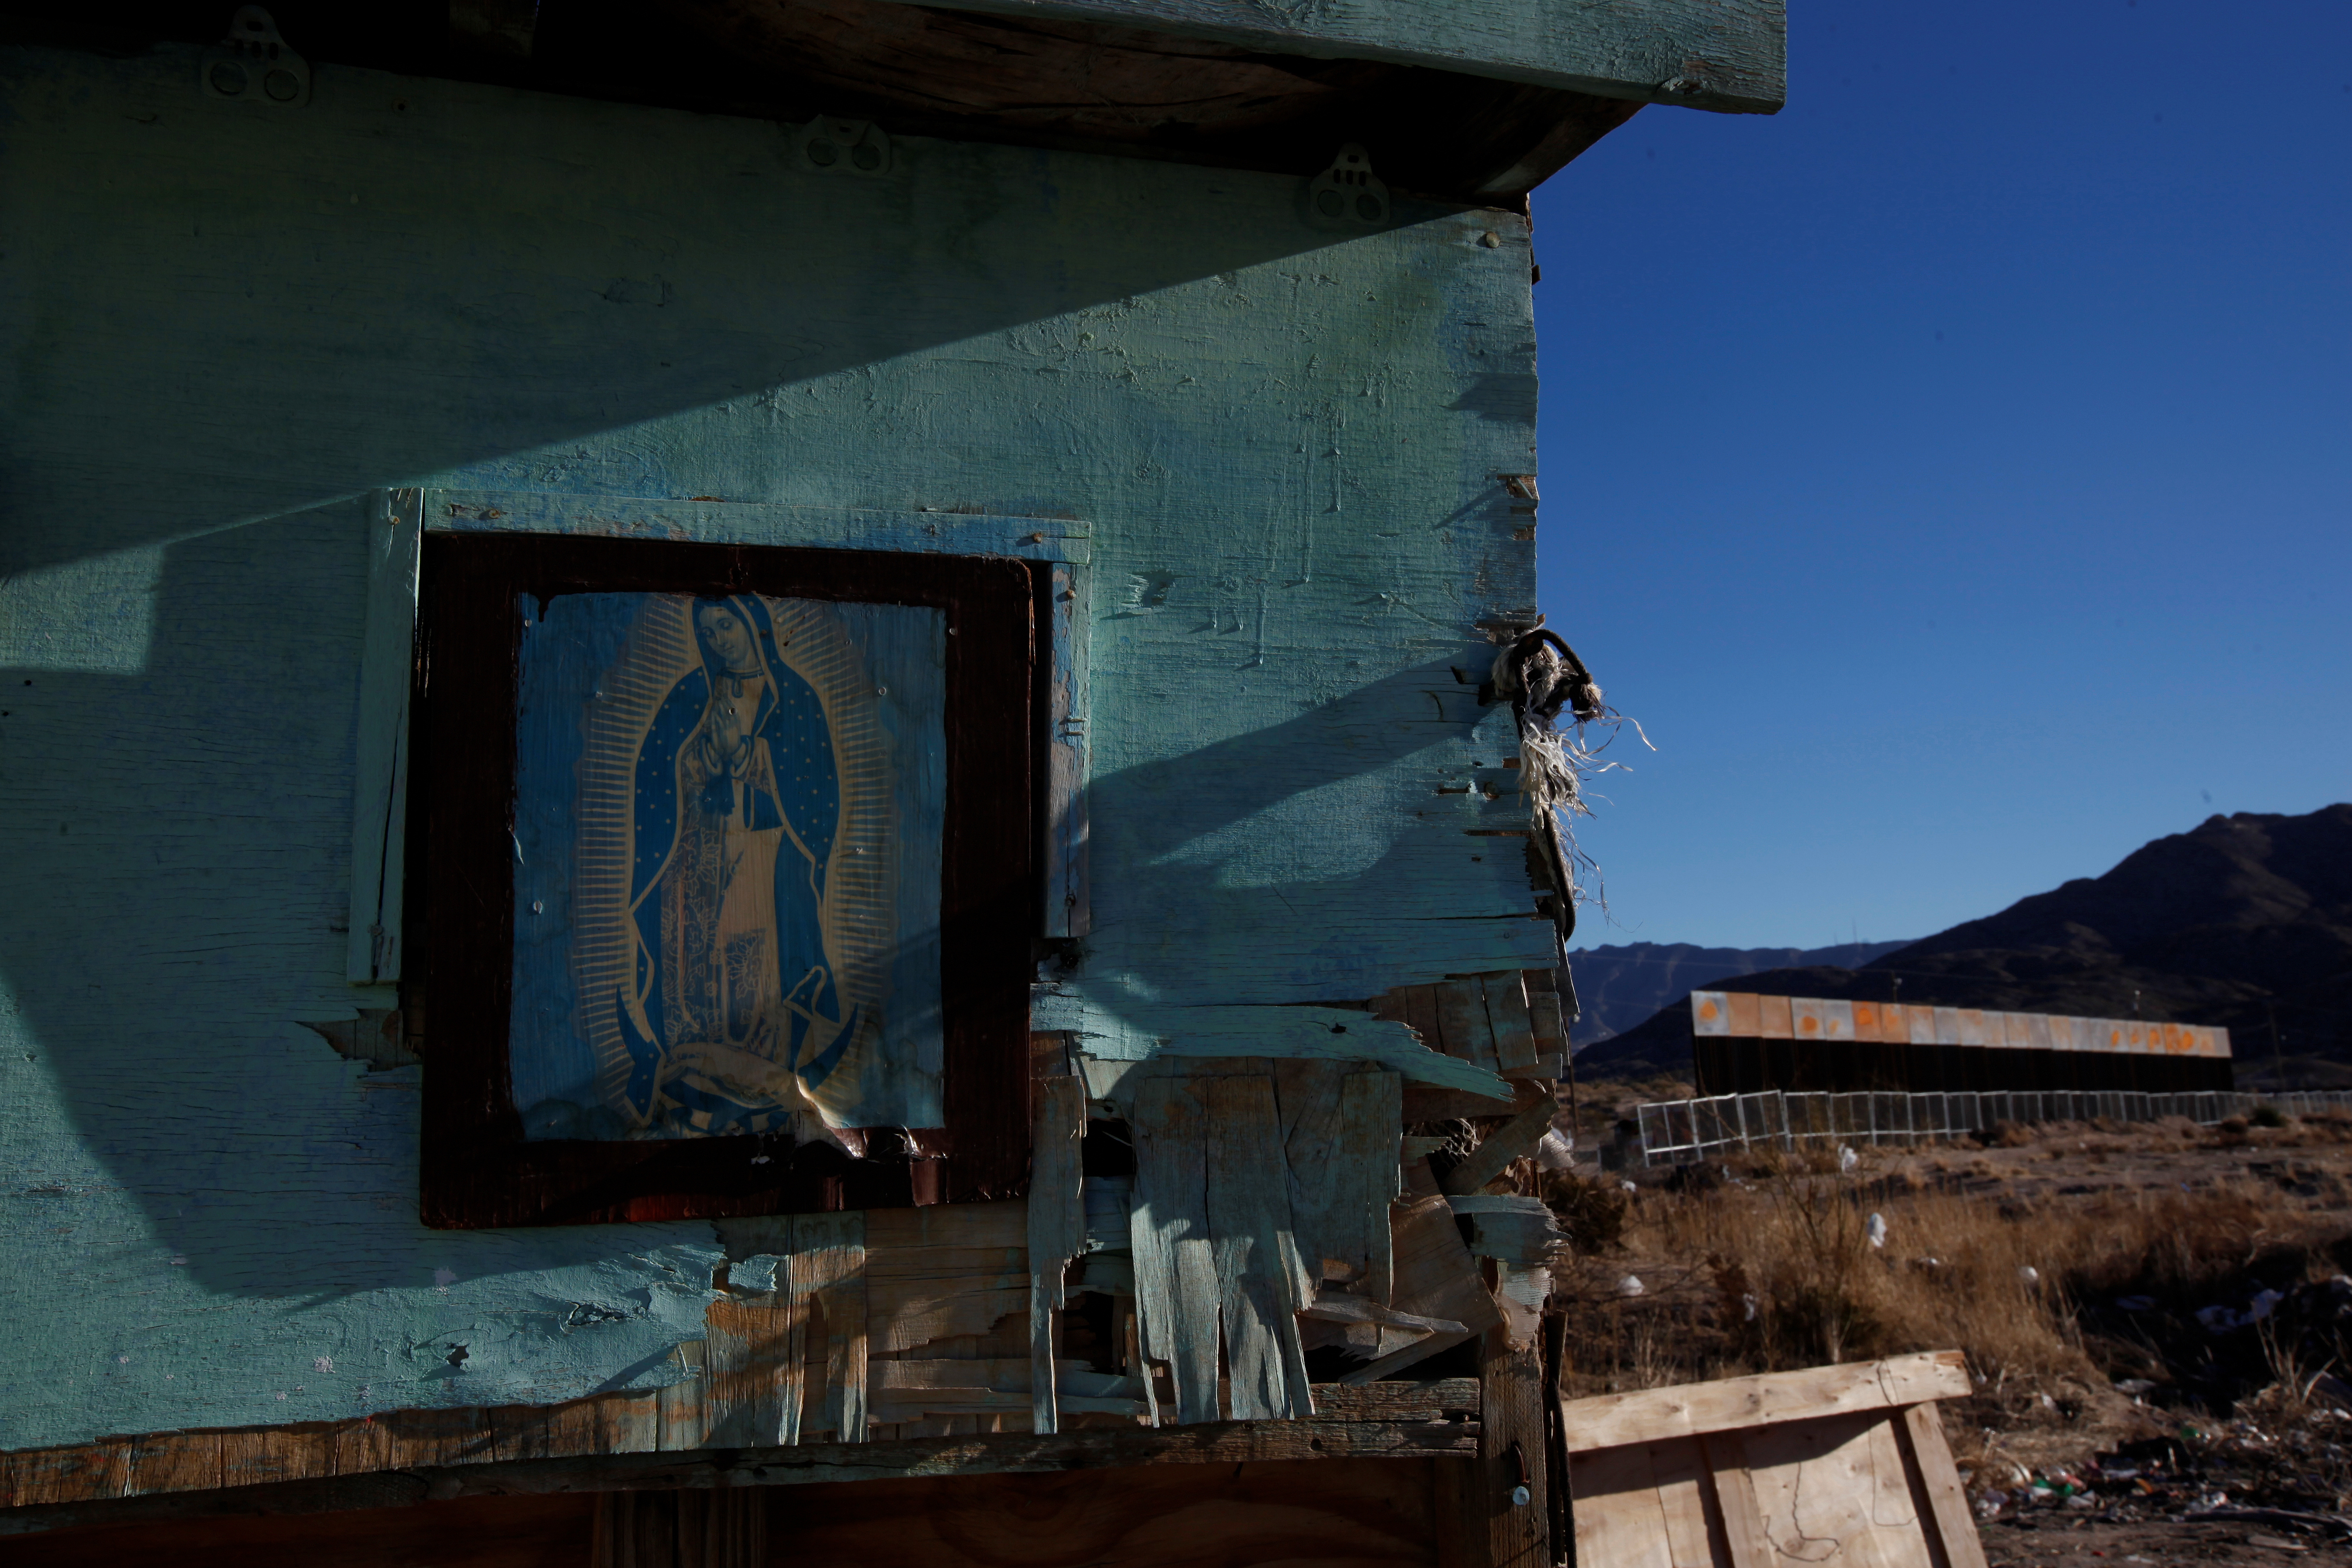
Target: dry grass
1777,1270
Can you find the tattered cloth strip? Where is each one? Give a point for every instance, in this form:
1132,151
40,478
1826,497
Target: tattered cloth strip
1539,675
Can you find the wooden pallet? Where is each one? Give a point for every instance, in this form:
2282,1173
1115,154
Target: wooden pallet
1835,1462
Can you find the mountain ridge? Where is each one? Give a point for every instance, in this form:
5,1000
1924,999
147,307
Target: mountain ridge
2243,920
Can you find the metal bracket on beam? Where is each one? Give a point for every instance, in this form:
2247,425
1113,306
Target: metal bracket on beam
1348,195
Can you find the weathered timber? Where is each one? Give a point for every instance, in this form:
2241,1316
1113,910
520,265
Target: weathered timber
1654,1414
1729,56
1513,1139
1211,1443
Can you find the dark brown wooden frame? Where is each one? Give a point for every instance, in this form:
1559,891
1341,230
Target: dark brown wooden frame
478,1169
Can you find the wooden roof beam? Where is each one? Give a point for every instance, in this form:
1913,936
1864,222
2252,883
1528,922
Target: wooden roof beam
1730,56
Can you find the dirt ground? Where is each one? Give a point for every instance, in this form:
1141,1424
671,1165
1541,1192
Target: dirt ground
2157,1317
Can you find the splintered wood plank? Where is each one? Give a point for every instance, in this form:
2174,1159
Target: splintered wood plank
1891,1499
1508,1019
944,1272
1436,1277
752,1361
1513,1139
1175,1273
1921,1435
1058,1226
1462,1024
1652,1414
829,1266
190,1461
1259,1274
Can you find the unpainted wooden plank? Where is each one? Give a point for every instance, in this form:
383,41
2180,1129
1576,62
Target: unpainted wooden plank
1653,1415
753,1358
1945,1501
1175,1272
1620,1521
1261,1280
1815,1488
1058,1225
1685,1502
1744,1542
828,1269
678,1406
944,1272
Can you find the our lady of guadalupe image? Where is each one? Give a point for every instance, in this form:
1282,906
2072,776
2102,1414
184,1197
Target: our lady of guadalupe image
728,811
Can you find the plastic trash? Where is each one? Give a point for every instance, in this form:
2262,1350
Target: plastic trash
1629,1286
1875,1228
1556,1151
1847,1159
2029,1275
1629,1188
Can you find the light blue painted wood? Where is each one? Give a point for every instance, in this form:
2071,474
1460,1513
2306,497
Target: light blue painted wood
809,527
379,787
224,327
1709,54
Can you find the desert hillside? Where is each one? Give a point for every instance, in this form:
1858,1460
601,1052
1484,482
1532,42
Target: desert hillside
2243,920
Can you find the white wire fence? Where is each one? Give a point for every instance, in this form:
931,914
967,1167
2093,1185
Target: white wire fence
1677,1132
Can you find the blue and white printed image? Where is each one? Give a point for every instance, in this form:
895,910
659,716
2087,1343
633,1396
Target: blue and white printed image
728,818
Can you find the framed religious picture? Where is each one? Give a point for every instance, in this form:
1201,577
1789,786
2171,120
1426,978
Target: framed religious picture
729,880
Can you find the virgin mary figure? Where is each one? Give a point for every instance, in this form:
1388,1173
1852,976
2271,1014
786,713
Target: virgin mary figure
731,1006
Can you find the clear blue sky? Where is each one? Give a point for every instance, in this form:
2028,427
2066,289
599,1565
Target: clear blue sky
1953,472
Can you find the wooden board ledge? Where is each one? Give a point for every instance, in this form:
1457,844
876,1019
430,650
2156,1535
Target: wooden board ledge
1656,1415
1209,1442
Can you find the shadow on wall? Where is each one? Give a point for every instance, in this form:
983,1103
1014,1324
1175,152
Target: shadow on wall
234,327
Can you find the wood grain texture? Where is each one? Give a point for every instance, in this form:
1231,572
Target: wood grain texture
1649,1415
1722,56
1511,1453
1514,1139
552,1532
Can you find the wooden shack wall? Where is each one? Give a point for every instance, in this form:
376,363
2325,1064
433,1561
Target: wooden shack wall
227,324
